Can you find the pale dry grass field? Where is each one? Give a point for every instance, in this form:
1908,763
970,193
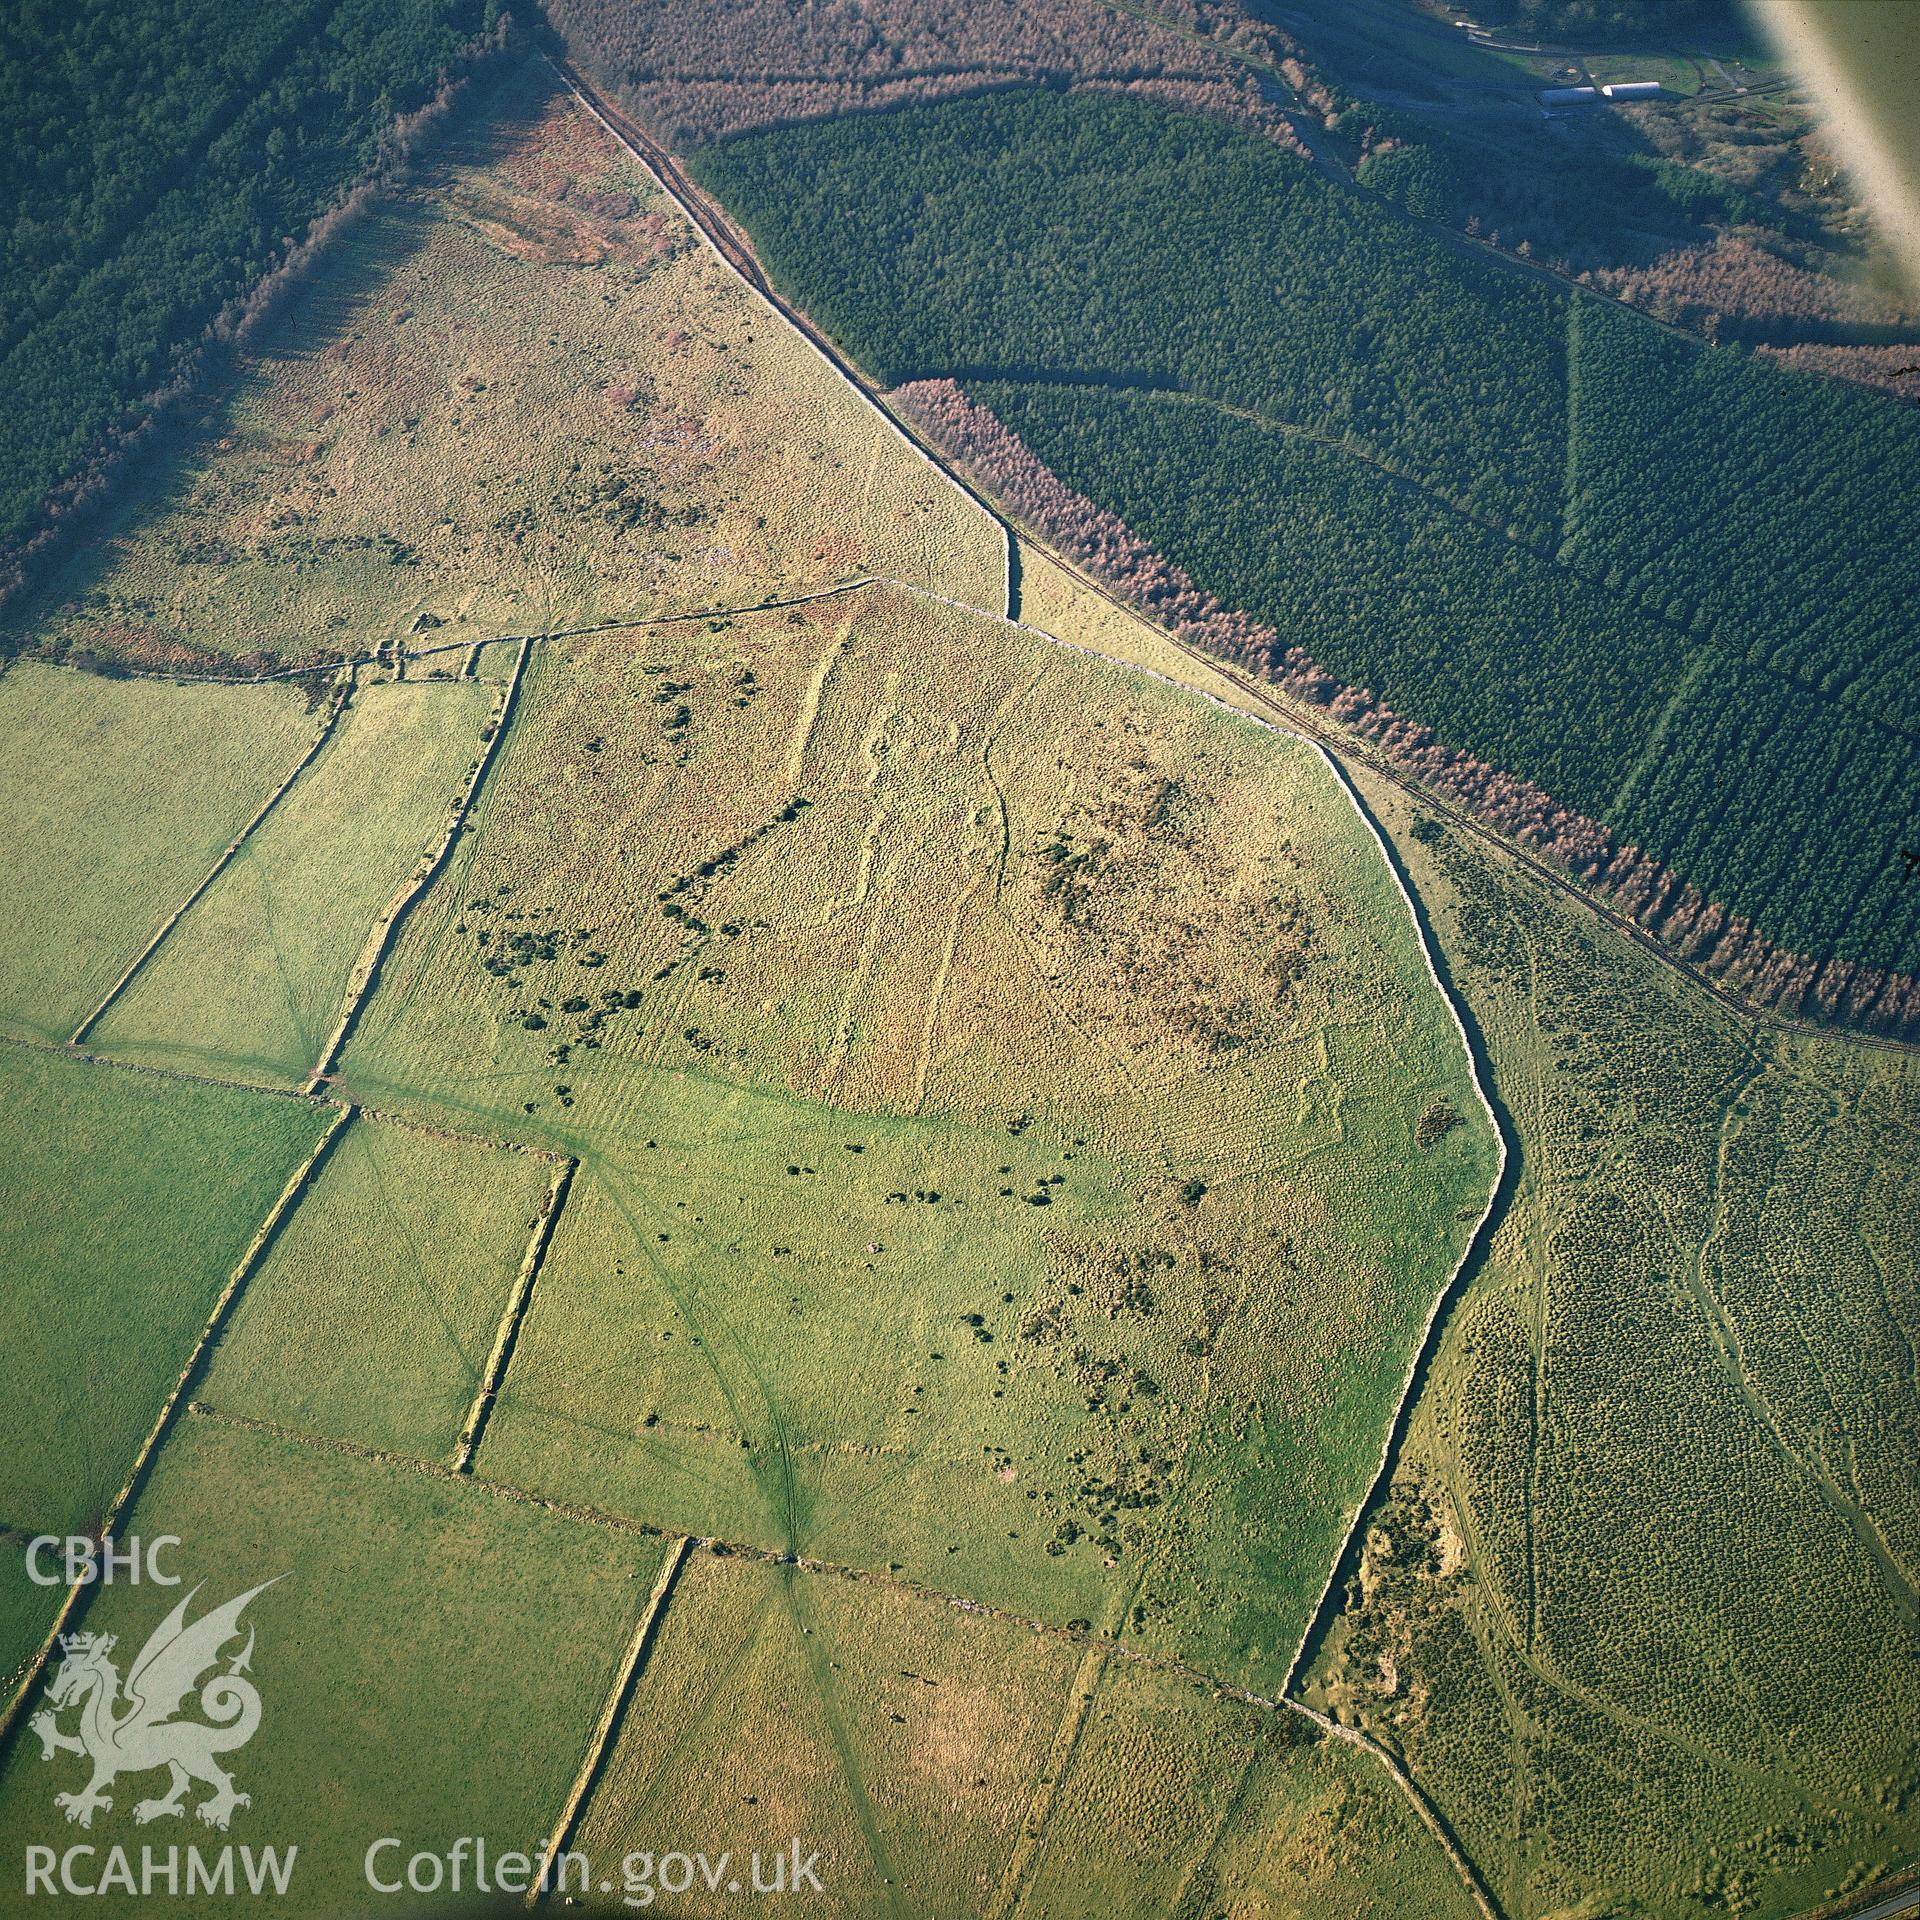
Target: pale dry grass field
119,796
521,397
943,1762
251,980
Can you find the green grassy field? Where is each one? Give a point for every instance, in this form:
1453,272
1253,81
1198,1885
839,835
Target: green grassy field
27,1608
252,979
1677,75
127,1202
947,1763
934,1131
119,796
395,1699
372,1317
520,397
834,1396
1642,1612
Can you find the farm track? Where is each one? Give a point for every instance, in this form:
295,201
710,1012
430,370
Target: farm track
1290,717
732,248
821,1666
1804,1461
717,1334
1114,386
1046,1790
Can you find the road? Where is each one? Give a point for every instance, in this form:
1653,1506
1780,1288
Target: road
1907,1902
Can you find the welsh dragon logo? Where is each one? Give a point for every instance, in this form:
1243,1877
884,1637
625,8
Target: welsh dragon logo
134,1727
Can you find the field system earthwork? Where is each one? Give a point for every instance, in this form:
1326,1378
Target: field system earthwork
805,1198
